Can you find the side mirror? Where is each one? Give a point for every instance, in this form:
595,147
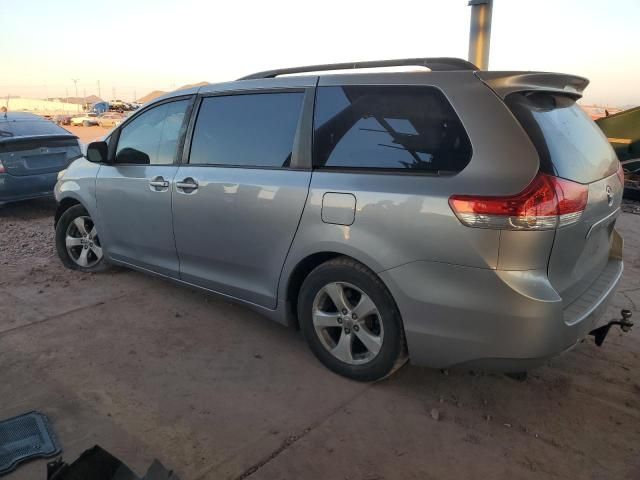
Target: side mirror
98,152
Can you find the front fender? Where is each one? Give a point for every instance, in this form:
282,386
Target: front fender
79,184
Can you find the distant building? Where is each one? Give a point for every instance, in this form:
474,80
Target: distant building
42,107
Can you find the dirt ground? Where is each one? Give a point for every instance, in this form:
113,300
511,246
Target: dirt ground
148,369
88,134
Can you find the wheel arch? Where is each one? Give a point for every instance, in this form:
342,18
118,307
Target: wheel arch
64,205
301,270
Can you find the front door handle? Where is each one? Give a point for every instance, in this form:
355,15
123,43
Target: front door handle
158,183
188,185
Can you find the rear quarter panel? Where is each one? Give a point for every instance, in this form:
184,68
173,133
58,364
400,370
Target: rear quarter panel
402,218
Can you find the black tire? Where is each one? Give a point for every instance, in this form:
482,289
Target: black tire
66,219
392,353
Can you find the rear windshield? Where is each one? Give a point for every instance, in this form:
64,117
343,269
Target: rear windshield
22,128
569,143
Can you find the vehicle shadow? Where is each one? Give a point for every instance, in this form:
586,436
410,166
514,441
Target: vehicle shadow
28,209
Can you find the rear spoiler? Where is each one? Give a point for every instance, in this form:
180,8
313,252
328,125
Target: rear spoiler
28,138
505,83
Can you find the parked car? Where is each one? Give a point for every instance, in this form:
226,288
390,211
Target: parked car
120,106
32,152
61,119
85,119
110,119
463,217
623,132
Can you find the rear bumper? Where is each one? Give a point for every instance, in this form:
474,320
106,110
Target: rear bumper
499,320
14,187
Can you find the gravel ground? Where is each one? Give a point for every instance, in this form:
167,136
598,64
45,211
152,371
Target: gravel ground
26,230
148,369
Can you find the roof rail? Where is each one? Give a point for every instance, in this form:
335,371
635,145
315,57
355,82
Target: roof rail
434,64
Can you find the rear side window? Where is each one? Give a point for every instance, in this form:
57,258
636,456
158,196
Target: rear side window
410,128
569,143
249,130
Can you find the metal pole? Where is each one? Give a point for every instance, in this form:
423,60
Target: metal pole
480,32
75,82
99,90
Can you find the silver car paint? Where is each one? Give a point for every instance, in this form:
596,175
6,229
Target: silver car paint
246,220
465,295
135,218
572,269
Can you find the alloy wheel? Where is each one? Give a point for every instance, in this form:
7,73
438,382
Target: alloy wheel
82,242
348,323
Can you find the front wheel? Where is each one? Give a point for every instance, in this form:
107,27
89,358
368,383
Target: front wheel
77,241
350,320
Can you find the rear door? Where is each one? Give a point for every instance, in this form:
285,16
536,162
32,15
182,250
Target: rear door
134,193
571,146
238,200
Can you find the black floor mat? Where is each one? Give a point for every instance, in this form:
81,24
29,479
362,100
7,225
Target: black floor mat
98,464
24,437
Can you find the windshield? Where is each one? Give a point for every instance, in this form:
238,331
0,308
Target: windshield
569,143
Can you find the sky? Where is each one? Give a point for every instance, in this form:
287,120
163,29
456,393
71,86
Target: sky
134,46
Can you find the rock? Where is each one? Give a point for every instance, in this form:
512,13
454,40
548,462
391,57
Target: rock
435,414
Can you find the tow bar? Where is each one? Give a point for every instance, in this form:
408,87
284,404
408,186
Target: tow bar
600,333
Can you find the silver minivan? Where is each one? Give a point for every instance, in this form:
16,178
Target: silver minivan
450,216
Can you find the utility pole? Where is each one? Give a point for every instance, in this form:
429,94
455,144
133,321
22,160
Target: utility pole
135,95
75,82
480,32
84,98
113,93
99,89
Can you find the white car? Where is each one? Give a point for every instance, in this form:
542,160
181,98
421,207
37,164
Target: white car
85,119
110,119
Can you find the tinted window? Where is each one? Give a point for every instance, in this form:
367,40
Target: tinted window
569,143
27,128
388,127
153,136
246,130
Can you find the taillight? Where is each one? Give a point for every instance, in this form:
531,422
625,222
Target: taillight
548,202
2,169
620,174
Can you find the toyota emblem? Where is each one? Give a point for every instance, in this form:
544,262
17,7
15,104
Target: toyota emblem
609,196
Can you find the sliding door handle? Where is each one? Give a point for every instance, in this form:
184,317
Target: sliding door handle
188,185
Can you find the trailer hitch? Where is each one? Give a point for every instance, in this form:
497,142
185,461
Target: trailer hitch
625,323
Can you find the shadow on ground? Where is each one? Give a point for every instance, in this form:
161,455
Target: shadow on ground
148,369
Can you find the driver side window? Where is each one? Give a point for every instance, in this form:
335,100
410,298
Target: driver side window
152,137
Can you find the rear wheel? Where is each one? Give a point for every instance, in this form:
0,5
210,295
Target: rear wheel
77,241
350,320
